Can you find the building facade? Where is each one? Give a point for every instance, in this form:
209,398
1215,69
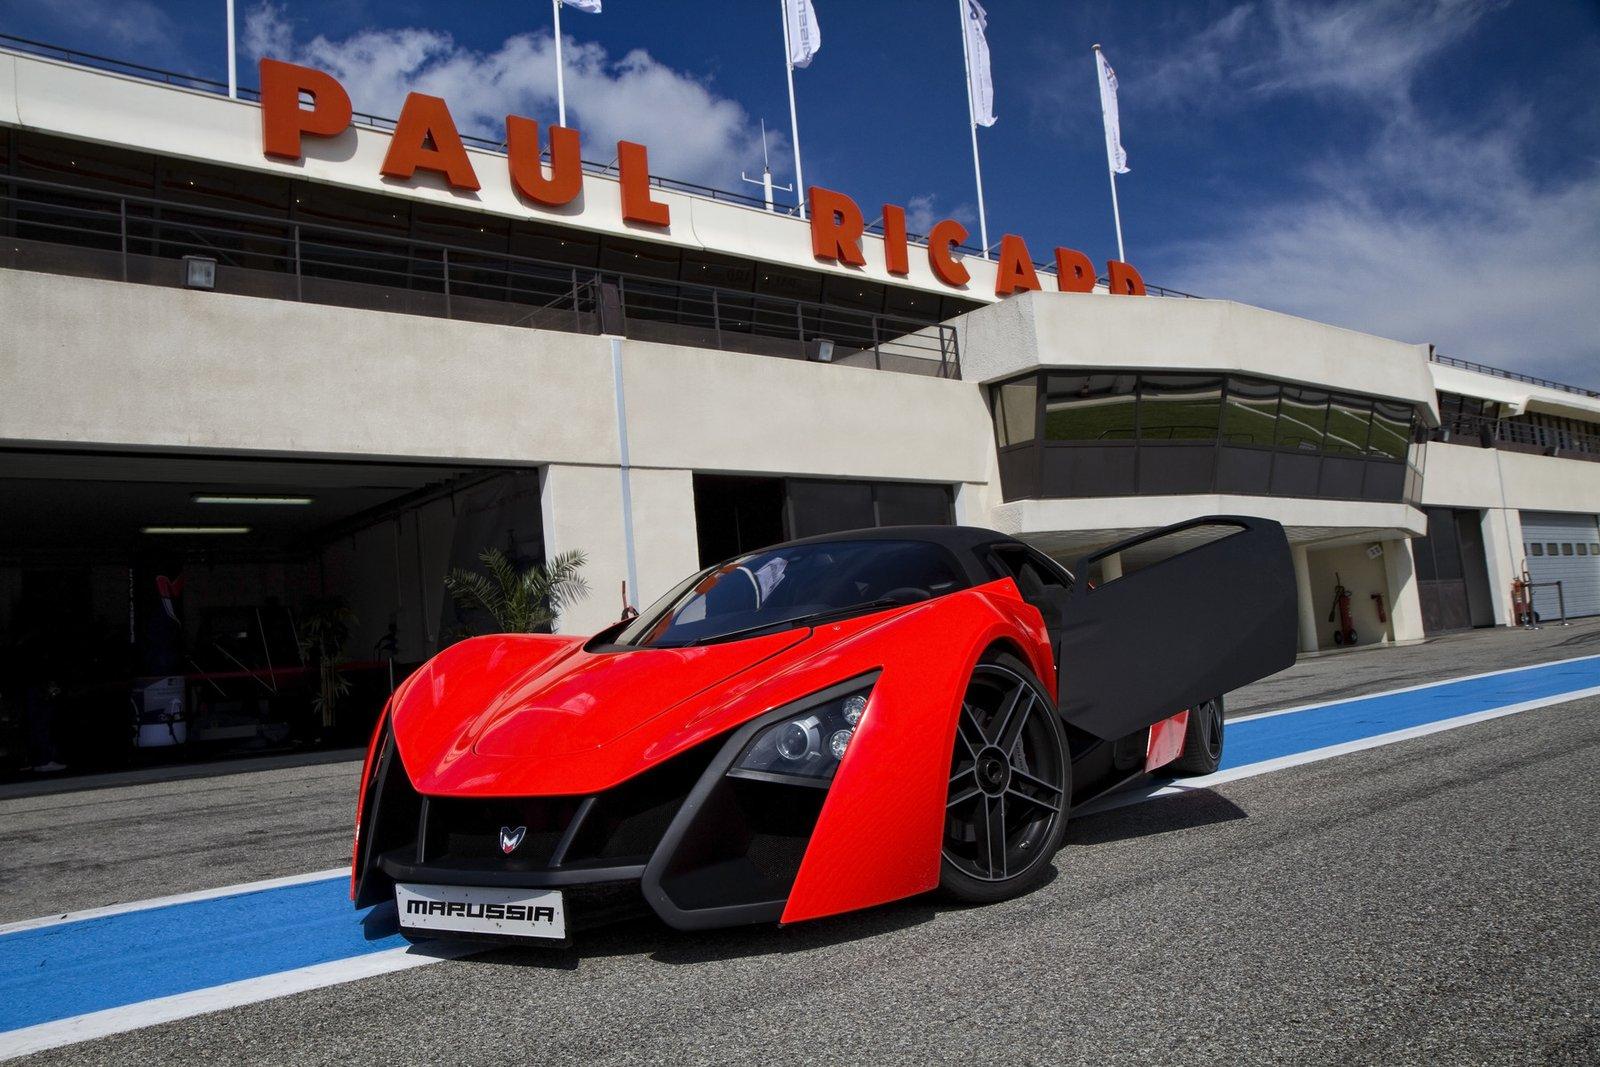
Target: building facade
248,402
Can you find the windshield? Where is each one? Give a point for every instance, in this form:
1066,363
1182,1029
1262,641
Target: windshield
784,587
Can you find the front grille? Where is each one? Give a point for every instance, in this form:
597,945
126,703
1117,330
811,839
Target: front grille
617,827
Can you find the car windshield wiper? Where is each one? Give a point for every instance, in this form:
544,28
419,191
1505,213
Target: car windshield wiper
793,621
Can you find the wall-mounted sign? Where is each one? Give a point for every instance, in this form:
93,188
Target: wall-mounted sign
425,139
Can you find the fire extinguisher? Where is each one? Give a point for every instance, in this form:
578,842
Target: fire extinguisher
1346,633
1521,606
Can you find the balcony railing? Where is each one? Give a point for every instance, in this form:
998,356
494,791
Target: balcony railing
68,229
1515,436
1511,375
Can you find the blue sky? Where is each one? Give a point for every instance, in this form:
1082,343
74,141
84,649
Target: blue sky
1424,169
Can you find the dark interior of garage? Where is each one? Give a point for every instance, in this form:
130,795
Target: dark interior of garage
157,608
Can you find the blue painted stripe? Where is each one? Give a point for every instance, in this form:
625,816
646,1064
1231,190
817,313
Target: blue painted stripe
57,972
1267,738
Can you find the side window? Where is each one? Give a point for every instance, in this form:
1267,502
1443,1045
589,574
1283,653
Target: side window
1033,573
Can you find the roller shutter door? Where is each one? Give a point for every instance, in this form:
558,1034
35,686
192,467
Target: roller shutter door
1562,547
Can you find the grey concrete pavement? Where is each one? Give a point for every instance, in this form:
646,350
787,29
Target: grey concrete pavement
1431,901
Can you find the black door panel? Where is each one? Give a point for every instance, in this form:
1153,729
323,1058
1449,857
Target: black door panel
1181,630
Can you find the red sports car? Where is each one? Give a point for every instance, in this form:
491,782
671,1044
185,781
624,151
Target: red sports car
821,726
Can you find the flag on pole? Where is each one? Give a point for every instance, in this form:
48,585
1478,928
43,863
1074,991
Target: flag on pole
591,6
805,36
979,80
1108,110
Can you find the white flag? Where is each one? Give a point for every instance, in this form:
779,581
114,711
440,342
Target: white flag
979,83
591,6
1108,110
805,36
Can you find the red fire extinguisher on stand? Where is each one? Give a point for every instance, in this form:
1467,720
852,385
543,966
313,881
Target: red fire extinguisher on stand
1346,633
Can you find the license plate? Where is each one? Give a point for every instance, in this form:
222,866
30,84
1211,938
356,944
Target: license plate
482,910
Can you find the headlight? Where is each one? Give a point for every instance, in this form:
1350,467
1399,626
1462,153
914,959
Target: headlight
806,747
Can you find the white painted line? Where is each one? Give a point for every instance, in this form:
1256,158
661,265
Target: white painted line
1407,689
232,995
177,898
1251,770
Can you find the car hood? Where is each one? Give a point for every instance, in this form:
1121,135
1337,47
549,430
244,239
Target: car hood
536,699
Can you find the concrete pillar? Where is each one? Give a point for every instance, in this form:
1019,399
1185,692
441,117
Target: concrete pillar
666,539
582,510
1502,552
1405,605
1304,601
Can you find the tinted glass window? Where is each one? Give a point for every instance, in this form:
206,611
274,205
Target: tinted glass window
1301,419
1179,407
1566,549
782,588
1583,549
1094,407
1349,425
1032,576
1251,414
1551,548
1014,411
1535,549
1391,430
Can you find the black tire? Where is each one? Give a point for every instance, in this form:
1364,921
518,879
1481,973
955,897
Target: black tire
1010,772
1202,741
1338,637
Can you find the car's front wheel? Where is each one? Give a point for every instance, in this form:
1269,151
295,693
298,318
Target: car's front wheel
1010,786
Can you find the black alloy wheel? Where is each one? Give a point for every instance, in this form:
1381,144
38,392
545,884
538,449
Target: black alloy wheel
1010,783
1202,741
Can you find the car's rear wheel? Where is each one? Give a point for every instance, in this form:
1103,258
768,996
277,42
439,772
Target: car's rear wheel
1010,784
1202,741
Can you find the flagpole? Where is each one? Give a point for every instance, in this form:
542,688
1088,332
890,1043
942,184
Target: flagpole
561,87
1111,168
794,116
972,122
233,69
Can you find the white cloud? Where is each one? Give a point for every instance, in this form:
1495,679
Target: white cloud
693,133
1426,231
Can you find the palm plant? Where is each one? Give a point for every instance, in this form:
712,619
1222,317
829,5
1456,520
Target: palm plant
519,600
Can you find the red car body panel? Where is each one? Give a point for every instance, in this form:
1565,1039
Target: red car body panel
538,715
1166,741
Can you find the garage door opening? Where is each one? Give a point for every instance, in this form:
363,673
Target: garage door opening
736,514
165,608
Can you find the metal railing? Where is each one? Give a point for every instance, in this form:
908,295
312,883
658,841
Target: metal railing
70,229
1511,375
1516,435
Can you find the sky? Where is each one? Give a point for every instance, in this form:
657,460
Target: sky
1427,170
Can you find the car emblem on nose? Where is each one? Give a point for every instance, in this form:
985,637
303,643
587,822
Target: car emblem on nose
510,839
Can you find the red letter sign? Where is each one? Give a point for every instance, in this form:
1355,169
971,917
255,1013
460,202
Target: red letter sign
283,120
1014,273
895,253
836,227
425,138
944,236
566,164
1074,271
1125,281
633,167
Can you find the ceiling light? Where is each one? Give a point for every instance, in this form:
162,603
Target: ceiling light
210,498
196,531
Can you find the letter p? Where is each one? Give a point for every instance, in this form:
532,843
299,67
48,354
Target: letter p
283,120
